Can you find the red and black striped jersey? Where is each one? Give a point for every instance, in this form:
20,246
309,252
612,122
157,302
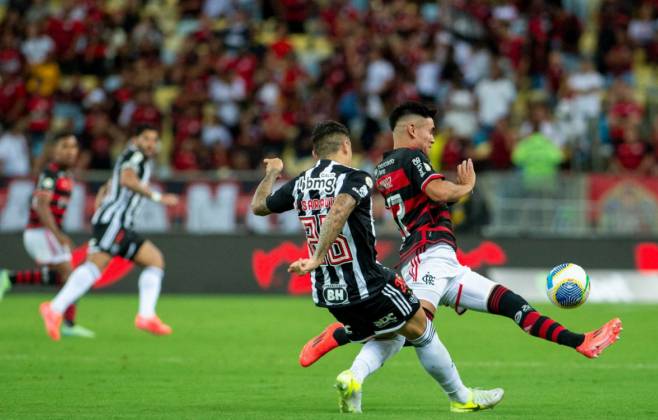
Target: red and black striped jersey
402,177
58,183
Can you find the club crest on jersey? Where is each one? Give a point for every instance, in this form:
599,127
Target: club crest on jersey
428,279
362,192
335,293
326,183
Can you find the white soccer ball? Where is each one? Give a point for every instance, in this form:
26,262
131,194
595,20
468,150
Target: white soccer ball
567,285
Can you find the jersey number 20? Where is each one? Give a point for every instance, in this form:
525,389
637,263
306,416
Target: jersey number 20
339,252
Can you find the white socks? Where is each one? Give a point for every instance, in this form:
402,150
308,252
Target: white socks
150,282
373,355
437,362
77,285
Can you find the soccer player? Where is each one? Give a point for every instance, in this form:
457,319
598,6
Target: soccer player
43,238
334,205
418,199
113,235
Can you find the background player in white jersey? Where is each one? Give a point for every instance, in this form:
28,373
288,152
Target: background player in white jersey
418,199
334,205
113,235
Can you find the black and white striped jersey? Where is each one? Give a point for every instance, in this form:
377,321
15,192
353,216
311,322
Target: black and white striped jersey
350,273
121,204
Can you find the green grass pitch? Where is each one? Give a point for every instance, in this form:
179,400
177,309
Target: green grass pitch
236,358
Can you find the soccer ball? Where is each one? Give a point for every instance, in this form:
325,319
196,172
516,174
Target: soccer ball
567,285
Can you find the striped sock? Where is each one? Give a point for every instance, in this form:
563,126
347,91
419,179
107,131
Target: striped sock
503,301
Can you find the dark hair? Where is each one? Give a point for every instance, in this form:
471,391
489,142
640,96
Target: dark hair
62,135
327,137
137,131
410,108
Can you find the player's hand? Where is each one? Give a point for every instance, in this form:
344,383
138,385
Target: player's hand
169,199
466,174
304,265
64,240
273,166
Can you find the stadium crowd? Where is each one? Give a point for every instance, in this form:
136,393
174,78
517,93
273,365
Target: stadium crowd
541,85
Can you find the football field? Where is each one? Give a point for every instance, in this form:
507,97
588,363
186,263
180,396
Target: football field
236,358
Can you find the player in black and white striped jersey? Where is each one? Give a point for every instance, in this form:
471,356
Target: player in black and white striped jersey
113,235
333,202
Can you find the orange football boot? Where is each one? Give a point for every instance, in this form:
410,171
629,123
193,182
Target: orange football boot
153,325
597,341
51,319
319,346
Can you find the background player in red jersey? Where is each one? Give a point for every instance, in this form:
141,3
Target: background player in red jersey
43,238
418,199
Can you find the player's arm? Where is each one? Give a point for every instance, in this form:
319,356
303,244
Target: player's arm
445,191
130,180
259,202
102,192
343,205
42,208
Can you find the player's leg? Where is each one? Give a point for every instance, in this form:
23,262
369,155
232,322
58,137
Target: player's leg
429,293
150,284
78,283
436,360
69,326
471,290
45,250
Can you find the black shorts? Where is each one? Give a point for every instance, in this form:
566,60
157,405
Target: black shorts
386,312
115,240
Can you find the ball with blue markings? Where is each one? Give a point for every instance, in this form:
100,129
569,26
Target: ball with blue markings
567,285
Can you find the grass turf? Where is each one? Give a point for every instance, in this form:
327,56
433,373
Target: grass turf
236,358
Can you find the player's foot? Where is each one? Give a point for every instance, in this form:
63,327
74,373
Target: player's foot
77,331
481,399
153,325
319,346
5,283
51,319
597,341
349,392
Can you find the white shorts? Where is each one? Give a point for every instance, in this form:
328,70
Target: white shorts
437,277
44,248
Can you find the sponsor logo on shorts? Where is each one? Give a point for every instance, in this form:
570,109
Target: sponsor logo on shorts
386,320
335,294
428,279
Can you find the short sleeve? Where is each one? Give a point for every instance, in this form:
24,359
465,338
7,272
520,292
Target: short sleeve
135,161
46,181
420,170
358,184
282,199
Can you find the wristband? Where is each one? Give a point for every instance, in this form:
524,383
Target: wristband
156,196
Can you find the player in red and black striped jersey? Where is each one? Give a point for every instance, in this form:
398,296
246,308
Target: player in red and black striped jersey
371,303
418,199
43,238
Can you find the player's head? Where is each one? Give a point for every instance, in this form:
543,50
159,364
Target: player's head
146,139
331,140
65,149
412,124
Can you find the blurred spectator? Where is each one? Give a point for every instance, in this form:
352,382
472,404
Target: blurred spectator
539,159
14,154
37,46
632,155
495,95
273,69
587,86
460,116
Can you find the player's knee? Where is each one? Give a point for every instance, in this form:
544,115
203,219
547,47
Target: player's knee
157,260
